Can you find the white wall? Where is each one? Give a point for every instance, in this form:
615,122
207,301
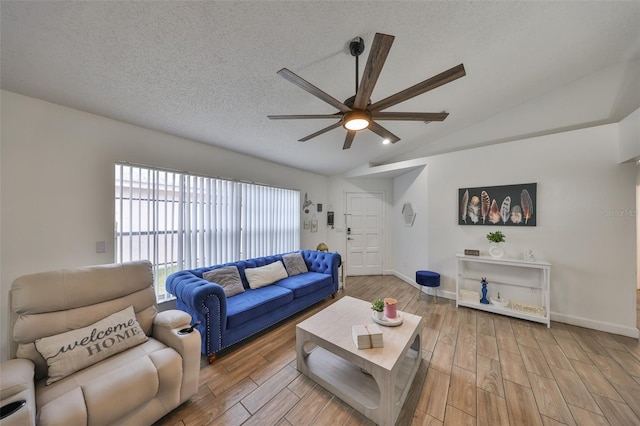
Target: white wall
57,189
630,137
583,194
411,249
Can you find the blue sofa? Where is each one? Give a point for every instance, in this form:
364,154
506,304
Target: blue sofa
225,321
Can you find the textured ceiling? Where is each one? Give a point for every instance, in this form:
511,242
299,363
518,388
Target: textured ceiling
206,71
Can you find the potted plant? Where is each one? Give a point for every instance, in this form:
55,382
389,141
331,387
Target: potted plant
496,238
377,306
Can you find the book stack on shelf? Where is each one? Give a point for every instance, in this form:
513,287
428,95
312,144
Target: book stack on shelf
367,336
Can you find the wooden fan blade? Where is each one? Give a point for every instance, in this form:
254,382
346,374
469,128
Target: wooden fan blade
349,139
305,85
319,132
294,117
381,131
377,56
420,88
410,116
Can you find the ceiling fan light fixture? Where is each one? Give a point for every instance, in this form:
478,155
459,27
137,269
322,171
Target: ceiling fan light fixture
356,120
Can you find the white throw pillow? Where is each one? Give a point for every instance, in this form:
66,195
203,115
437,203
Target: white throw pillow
74,350
265,275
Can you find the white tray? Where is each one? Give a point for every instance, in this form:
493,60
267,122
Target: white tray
502,302
388,322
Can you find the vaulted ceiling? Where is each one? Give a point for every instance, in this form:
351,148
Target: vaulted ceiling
206,71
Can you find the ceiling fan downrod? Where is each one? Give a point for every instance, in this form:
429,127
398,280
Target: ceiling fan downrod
356,47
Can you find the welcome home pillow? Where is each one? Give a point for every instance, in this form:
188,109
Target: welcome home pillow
265,275
74,350
295,264
228,278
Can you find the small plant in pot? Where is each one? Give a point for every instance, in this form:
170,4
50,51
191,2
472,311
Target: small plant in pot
496,238
377,306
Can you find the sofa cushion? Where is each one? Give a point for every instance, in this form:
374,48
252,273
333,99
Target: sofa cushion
294,263
122,391
304,284
253,303
228,278
127,381
68,409
74,350
265,275
46,394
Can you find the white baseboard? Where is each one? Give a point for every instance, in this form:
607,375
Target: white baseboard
596,325
566,319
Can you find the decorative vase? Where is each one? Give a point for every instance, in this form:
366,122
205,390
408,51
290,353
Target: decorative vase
379,315
484,292
496,251
528,256
390,305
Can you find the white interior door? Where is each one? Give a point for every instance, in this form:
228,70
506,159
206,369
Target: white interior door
364,233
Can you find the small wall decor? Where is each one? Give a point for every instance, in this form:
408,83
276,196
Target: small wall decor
306,204
314,223
408,215
506,205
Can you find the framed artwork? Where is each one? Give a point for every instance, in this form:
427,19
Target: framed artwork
506,205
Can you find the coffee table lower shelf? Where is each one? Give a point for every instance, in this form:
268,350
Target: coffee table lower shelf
349,383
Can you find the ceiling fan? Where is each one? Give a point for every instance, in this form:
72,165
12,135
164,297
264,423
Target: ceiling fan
358,113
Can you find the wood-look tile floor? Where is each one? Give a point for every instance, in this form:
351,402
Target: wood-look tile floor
478,369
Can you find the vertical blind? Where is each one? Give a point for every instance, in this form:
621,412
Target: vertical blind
183,221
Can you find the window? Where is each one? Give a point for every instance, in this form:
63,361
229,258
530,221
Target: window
185,221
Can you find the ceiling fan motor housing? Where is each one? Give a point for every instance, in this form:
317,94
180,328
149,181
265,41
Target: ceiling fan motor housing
356,47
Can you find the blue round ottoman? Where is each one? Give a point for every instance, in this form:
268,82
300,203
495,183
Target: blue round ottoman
429,279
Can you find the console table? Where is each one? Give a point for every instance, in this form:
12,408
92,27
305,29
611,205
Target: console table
526,285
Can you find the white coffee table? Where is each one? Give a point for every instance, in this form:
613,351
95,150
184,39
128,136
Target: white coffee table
327,354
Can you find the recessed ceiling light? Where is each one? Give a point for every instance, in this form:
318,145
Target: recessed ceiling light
386,141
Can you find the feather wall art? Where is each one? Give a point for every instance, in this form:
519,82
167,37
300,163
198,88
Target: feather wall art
494,213
527,205
505,210
516,215
463,205
486,202
474,209
506,205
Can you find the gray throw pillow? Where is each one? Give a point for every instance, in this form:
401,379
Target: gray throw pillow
228,277
294,263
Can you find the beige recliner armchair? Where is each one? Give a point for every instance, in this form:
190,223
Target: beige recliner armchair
73,316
